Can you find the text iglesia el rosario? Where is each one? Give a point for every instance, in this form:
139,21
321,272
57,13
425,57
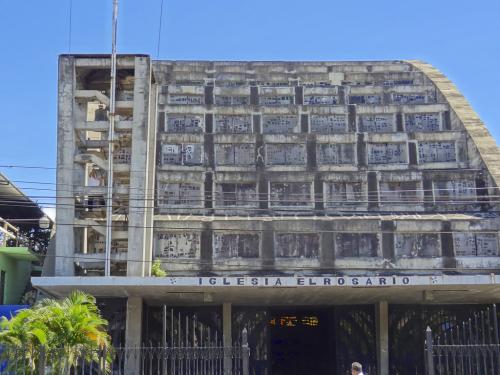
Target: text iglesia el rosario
305,281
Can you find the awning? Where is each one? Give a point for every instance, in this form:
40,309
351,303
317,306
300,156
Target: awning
294,290
19,253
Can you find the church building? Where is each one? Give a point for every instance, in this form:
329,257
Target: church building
331,210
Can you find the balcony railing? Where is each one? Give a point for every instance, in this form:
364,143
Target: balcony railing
9,234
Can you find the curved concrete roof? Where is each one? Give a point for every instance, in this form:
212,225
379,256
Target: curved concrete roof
483,140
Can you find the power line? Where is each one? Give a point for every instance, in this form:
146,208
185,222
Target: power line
70,25
198,261
304,210
264,230
26,166
21,166
190,205
159,32
407,196
163,194
112,114
419,190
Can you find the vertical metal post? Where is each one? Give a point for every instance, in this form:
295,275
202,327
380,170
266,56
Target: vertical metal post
429,351
227,339
245,352
41,361
164,331
111,136
496,335
99,363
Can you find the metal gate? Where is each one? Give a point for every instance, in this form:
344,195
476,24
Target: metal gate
407,325
206,360
350,335
191,344
356,338
466,348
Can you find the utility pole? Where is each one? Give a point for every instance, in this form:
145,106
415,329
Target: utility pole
111,136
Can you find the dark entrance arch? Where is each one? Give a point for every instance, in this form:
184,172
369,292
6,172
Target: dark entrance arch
308,340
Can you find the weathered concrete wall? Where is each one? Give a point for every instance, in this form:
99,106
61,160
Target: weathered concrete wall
65,240
242,147
291,244
313,139
83,150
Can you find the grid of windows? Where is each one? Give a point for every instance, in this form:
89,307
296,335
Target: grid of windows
234,154
182,154
335,153
233,124
236,245
296,245
230,194
387,153
180,194
184,123
475,244
290,194
328,124
357,244
177,245
285,154
411,245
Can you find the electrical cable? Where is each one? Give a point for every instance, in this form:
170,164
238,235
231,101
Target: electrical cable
283,208
159,32
187,170
261,230
389,192
27,167
70,31
264,197
201,262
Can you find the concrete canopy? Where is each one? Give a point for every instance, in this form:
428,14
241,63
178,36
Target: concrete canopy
184,290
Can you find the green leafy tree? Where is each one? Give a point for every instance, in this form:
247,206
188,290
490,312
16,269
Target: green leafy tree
64,331
157,270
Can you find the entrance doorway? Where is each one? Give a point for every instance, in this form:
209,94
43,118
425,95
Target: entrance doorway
301,342
283,340
305,340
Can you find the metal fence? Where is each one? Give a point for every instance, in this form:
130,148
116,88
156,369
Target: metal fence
469,348
8,232
207,360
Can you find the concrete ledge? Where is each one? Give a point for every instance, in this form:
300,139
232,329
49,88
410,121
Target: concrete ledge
247,290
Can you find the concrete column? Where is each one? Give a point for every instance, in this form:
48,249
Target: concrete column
139,170
65,238
227,335
150,188
133,335
382,323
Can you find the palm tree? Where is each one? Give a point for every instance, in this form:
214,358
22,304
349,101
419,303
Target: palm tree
76,328
69,330
22,338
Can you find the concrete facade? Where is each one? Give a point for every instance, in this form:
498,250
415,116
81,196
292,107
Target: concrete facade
275,168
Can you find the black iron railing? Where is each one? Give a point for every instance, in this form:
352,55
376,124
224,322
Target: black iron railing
472,347
208,360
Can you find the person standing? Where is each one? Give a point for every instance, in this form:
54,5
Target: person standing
356,368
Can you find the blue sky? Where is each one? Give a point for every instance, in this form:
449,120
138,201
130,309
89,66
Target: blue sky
461,38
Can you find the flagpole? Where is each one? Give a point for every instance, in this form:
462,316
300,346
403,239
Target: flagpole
111,135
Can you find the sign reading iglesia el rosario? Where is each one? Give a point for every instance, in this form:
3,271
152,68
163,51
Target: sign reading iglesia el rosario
278,281
305,281
332,281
